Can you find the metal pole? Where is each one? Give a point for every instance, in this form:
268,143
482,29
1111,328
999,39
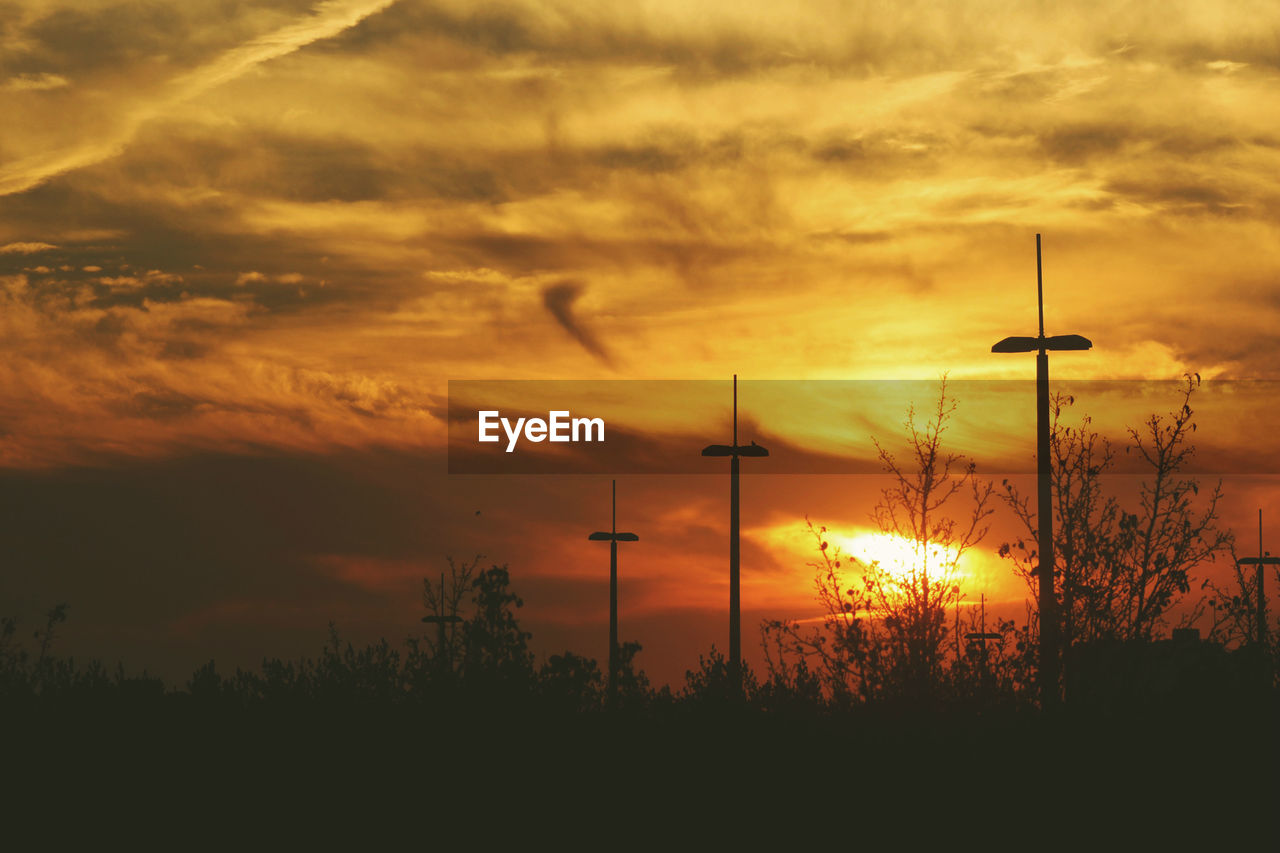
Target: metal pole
1039,285
1048,602
613,537
982,621
613,604
1050,638
613,623
734,451
735,595
957,631
1262,599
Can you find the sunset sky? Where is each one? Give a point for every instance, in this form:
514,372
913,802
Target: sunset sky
244,246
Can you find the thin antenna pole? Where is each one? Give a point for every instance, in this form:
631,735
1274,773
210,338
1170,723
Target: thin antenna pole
734,452
1262,600
983,629
1039,286
735,575
957,629
441,635
735,593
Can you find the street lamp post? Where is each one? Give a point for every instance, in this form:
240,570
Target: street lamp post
734,452
613,537
440,620
1261,560
980,638
1042,345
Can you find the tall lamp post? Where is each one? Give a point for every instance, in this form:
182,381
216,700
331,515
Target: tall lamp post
734,452
613,537
1042,345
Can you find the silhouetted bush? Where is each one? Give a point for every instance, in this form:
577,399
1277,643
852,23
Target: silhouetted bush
571,683
713,687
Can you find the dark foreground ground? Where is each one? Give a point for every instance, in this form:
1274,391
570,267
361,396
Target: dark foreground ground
712,774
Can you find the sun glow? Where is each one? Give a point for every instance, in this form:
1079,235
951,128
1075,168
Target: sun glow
899,556
980,570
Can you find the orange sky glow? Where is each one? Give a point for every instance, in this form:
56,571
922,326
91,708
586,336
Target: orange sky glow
245,247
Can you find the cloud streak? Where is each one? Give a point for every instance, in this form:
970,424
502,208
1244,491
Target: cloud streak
328,19
559,300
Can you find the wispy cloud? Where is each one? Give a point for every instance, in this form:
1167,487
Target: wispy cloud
328,19
35,82
25,248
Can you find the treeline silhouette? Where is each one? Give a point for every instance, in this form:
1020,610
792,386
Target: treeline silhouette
474,721
484,665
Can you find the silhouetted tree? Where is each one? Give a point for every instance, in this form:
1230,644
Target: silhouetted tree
496,654
1120,572
444,601
32,679
886,632
712,685
345,674
909,602
571,683
1234,605
21,672
634,690
791,685
435,659
207,684
1233,609
997,670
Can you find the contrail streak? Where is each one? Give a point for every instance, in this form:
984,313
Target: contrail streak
327,20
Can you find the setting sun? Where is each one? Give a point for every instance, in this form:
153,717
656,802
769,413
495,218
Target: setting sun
898,555
979,571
